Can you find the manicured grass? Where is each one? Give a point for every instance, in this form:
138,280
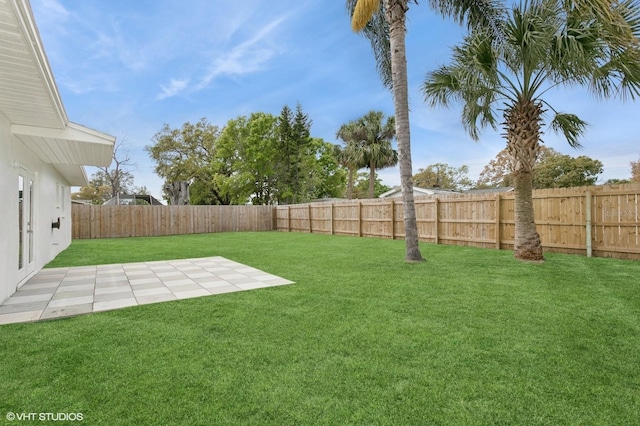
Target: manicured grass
470,337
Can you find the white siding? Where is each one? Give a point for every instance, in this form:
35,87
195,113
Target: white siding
48,182
8,213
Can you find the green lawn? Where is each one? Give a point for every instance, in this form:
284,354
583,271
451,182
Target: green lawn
470,337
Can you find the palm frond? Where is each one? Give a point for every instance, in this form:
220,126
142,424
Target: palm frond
474,112
570,125
472,79
362,13
619,76
376,30
487,14
630,12
441,87
619,19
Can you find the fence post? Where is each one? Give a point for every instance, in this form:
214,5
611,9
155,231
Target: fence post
289,218
274,219
588,224
331,219
309,215
359,218
497,209
435,213
393,219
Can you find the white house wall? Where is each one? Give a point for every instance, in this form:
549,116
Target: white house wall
51,200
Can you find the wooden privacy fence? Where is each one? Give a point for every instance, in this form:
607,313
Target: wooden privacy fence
599,221
91,221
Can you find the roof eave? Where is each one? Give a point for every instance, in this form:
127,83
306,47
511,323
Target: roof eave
27,20
73,145
74,174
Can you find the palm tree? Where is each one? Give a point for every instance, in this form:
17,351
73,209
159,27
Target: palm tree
349,158
391,56
543,44
370,142
384,25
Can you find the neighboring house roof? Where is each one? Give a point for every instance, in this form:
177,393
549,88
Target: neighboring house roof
397,192
328,200
490,190
29,98
125,199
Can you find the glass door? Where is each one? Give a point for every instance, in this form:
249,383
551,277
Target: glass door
26,195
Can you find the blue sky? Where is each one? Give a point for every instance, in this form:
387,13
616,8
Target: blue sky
127,67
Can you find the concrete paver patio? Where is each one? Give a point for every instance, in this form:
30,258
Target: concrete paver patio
63,292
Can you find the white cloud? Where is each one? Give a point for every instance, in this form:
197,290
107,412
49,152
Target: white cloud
53,11
113,44
247,57
175,87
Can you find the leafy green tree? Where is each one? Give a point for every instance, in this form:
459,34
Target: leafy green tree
617,181
324,178
186,155
370,139
245,168
443,176
249,164
97,192
563,171
361,187
383,23
536,46
551,170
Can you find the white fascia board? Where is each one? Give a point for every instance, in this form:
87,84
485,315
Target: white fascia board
73,145
74,174
72,132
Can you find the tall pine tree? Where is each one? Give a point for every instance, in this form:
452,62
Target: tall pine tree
294,140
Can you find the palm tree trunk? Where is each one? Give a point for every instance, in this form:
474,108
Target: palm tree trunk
350,184
372,179
396,16
527,240
522,123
